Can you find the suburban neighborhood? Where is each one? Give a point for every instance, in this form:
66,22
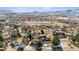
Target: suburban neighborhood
39,31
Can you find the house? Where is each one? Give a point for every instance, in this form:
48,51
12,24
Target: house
60,34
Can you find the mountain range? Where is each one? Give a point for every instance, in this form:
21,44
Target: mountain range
69,11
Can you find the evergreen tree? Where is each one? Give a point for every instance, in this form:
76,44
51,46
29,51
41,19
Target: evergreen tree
1,38
55,41
42,31
29,36
39,45
77,37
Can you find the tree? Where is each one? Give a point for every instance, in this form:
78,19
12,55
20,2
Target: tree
0,31
18,34
55,41
42,31
1,38
13,35
16,27
12,45
72,39
29,36
77,37
25,40
1,28
39,45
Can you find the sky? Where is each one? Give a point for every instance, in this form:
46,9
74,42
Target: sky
40,9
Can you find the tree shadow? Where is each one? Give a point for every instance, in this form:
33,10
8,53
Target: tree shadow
57,48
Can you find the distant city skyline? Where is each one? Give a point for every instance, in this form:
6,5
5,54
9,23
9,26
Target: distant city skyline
40,9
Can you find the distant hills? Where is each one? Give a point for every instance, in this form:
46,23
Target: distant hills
6,11
75,11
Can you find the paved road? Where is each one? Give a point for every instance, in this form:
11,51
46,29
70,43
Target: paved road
47,47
